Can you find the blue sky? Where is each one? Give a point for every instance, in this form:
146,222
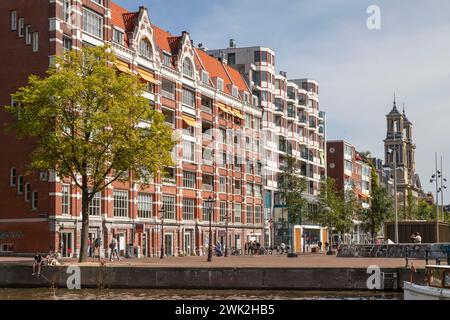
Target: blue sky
358,70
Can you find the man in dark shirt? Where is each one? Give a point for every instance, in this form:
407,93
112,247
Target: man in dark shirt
37,263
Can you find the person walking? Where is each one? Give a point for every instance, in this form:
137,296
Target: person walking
320,246
114,249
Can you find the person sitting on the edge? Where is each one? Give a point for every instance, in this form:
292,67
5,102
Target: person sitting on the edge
37,263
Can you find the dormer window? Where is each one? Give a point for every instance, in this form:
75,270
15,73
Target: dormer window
145,49
234,92
166,59
14,20
220,84
188,68
205,77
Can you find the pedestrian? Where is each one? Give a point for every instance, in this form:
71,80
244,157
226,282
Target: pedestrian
97,247
326,245
320,246
418,238
412,237
89,246
114,249
37,263
283,247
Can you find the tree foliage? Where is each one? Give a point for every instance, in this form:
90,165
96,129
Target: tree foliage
87,119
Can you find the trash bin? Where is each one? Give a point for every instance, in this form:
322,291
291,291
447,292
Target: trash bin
129,251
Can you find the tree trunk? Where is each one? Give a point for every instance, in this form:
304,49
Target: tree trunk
85,220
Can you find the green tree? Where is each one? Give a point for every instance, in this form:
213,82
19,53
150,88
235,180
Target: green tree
380,208
291,186
87,121
411,202
426,211
335,208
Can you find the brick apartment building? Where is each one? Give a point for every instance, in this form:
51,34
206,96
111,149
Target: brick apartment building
208,104
292,123
351,173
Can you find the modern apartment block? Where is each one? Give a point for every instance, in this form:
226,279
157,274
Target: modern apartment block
292,123
351,174
208,103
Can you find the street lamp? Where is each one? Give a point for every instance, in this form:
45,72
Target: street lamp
436,177
394,154
226,234
161,211
209,203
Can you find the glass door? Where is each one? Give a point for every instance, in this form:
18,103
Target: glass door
187,244
66,244
144,244
168,245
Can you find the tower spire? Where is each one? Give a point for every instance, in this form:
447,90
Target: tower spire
395,104
404,109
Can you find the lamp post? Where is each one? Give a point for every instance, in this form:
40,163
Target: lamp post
226,234
435,178
209,203
161,211
442,188
394,154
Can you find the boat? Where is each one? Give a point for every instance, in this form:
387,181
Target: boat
437,285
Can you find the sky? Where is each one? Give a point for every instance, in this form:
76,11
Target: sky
358,69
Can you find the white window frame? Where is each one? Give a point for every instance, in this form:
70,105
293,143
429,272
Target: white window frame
223,184
28,35
219,84
35,41
189,98
66,38
169,207
188,68
20,185
21,28
121,203
188,209
145,52
188,151
189,179
237,212
166,59
27,192
34,200
67,11
118,36
13,20
205,77
95,205
65,199
91,26
222,211
145,205
13,177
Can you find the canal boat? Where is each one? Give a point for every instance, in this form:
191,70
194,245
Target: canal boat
437,285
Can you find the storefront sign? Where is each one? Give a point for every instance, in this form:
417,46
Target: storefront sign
10,235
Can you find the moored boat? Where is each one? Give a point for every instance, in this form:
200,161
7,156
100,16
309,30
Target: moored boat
437,285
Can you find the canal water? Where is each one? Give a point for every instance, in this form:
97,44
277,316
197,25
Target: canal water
150,294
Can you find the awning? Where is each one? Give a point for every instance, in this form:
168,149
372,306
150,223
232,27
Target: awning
189,121
238,113
147,76
223,107
122,66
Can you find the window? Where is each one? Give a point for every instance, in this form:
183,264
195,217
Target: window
145,202
169,116
348,165
189,179
235,92
27,192
95,205
188,98
257,214
67,11
188,68
65,199
237,212
28,35
248,120
20,185
92,23
169,207
222,184
120,203
35,41
97,1
249,189
250,214
188,151
14,20
257,56
223,211
67,43
207,182
205,77
166,59
219,84
168,89
118,37
12,177
257,190
34,200
21,30
231,58
145,49
169,175
237,186
188,209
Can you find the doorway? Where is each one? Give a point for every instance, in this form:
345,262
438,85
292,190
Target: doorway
145,244
168,244
121,243
67,244
187,244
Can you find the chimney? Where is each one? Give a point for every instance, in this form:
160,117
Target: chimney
283,73
232,43
222,57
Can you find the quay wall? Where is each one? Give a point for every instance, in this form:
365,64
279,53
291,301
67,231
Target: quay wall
19,276
414,250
